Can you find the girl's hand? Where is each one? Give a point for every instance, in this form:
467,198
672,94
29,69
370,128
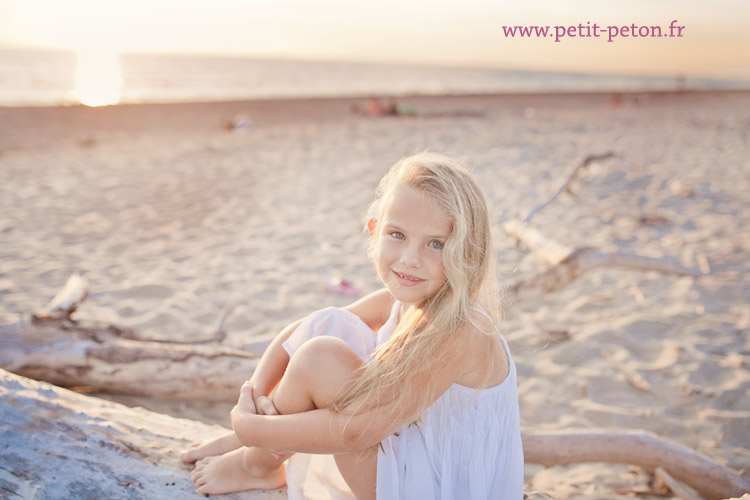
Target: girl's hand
264,406
246,403
258,405
245,406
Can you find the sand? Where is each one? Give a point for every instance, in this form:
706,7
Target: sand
173,218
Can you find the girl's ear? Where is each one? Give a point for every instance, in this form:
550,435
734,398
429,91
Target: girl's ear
371,225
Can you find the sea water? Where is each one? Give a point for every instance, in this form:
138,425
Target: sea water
40,78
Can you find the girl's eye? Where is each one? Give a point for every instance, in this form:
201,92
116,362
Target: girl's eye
437,245
397,235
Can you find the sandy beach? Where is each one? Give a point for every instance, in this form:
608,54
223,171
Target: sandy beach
174,216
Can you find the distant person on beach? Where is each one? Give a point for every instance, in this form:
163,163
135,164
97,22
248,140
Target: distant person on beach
383,107
411,388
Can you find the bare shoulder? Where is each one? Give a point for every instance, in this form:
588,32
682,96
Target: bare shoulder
374,309
485,360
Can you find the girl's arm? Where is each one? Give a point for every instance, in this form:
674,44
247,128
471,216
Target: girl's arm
328,432
373,309
272,364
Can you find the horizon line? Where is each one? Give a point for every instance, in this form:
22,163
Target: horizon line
378,61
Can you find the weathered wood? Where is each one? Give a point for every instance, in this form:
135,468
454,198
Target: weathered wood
646,450
676,487
583,164
74,292
56,444
105,358
543,247
109,359
568,264
219,333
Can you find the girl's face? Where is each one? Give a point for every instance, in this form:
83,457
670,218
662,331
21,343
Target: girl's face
409,249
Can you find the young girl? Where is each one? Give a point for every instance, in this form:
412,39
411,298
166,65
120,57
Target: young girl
411,388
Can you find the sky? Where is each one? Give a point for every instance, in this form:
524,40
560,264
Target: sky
714,41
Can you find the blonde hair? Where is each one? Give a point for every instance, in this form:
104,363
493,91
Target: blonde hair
427,331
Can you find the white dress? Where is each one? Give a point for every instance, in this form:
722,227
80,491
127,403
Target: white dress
467,445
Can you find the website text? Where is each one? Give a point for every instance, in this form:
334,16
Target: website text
589,30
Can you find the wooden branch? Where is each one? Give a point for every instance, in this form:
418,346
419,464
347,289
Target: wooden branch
58,445
74,292
566,185
676,487
219,332
665,265
108,359
543,247
105,358
712,480
569,264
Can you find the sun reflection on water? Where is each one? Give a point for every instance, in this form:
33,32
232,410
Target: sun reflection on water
98,78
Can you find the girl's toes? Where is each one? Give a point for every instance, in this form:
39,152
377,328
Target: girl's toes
196,475
187,455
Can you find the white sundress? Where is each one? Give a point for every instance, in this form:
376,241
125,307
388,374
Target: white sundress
467,445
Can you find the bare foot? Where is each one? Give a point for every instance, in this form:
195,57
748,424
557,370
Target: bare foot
217,446
227,474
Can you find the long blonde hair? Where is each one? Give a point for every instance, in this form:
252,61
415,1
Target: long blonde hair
427,331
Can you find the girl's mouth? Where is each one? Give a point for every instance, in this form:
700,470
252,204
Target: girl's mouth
407,279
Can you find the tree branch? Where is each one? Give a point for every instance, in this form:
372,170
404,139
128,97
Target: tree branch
644,449
566,185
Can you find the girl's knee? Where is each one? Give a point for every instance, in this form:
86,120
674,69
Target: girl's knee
324,366
325,351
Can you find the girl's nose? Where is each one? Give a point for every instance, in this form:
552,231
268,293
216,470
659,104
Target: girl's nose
411,257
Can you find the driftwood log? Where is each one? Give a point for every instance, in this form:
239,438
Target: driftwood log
105,358
644,449
568,264
57,444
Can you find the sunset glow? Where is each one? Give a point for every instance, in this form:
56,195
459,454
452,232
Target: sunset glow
98,78
438,32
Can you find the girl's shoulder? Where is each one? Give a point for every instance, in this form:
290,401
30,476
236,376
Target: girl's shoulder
374,309
480,325
486,363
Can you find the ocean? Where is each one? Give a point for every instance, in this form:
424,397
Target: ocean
44,78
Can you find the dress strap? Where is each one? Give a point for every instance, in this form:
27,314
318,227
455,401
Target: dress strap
497,330
492,322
